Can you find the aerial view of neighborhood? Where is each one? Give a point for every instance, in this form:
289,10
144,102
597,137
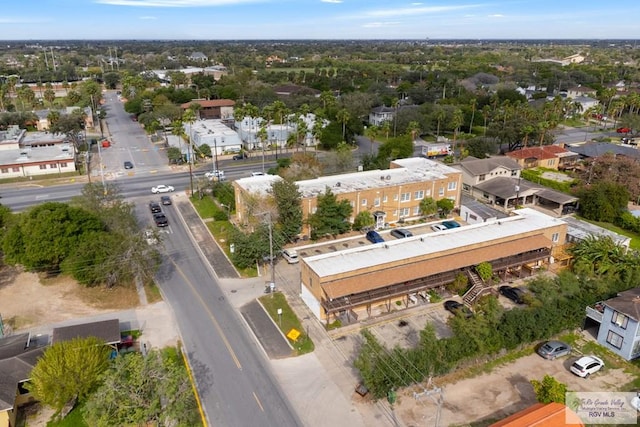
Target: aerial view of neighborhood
270,225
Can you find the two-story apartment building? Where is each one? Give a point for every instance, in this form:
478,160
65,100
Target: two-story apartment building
619,319
371,279
391,195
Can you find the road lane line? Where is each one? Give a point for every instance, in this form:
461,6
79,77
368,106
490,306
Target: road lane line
258,400
213,319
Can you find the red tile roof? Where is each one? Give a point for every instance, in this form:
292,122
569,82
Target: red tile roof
541,153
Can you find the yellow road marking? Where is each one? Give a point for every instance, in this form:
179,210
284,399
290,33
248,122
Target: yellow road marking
213,319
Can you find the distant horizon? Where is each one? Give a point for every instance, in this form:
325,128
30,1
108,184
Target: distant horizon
240,20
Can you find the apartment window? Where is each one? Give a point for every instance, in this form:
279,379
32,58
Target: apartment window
404,212
555,237
620,319
481,177
451,186
376,202
384,199
364,202
614,339
441,191
42,167
405,197
418,195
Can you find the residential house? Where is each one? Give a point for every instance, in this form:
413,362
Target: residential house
496,181
381,114
546,156
619,323
198,56
375,279
220,109
18,355
391,195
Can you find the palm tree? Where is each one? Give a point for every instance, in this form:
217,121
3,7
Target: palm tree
343,117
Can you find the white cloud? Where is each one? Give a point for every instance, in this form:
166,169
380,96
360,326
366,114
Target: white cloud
412,11
380,24
174,3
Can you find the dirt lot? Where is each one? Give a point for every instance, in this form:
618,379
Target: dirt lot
26,300
502,392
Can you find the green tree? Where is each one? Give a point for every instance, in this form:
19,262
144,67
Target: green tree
46,234
428,207
331,216
288,202
445,206
143,390
363,220
549,390
69,370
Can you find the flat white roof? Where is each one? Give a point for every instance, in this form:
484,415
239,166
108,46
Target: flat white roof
332,263
414,169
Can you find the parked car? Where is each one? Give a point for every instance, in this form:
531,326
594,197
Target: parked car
514,294
154,207
623,130
586,366
162,189
128,165
552,349
450,224
290,255
438,227
400,233
456,307
165,200
374,237
160,219
240,156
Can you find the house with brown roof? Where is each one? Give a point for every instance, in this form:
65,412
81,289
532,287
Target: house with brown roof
546,156
221,109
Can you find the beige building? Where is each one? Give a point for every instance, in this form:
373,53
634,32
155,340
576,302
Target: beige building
369,280
391,195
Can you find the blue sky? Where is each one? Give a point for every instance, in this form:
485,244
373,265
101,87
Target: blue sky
318,19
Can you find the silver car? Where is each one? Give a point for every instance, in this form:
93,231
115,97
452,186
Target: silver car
552,349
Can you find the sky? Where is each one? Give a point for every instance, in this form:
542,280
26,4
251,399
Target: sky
317,19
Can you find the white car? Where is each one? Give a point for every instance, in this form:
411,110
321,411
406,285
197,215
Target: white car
291,255
438,227
586,366
162,189
214,174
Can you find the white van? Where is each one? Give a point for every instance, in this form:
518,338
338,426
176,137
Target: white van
290,255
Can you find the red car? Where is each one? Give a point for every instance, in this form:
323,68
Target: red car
623,130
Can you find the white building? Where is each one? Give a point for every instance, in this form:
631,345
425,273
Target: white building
215,134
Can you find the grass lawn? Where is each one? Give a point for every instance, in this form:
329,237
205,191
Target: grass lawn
287,321
205,207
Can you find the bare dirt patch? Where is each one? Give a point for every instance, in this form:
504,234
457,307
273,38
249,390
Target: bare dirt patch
27,300
502,392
